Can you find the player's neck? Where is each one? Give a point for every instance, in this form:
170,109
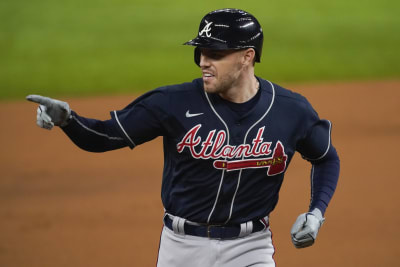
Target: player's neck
243,90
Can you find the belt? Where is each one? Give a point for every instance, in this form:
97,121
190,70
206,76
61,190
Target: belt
218,231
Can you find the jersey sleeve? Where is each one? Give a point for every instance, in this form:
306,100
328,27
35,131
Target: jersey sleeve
144,119
316,140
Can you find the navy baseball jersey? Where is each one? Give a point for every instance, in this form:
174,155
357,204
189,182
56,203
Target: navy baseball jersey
224,162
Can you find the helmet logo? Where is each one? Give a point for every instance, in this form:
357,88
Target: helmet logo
206,29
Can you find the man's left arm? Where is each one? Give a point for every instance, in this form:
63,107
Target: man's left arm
317,148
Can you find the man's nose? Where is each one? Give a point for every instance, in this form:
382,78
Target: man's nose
204,61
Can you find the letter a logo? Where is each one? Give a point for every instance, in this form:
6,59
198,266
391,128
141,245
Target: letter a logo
206,29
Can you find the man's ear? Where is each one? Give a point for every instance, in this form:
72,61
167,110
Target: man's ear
249,56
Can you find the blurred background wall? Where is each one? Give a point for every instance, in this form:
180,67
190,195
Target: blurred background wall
85,47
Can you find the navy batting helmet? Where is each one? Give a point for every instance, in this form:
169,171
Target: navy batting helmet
228,28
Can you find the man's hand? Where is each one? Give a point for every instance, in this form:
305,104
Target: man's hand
50,111
305,229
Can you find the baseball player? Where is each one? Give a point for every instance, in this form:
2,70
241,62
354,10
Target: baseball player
228,140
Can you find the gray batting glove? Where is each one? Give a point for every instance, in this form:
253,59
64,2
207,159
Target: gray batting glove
305,229
50,111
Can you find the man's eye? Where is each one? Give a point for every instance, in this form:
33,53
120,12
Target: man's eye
216,55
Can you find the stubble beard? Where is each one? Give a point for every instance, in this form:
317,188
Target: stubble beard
221,85
216,87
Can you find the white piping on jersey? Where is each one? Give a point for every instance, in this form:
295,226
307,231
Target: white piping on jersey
120,125
95,132
216,199
329,144
244,142
223,172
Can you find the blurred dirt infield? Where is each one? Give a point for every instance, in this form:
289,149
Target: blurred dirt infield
61,206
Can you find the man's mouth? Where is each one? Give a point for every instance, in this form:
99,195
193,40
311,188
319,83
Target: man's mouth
207,76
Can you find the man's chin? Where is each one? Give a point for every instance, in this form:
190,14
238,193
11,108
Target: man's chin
209,89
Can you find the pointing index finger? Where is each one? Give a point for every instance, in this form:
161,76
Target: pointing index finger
39,99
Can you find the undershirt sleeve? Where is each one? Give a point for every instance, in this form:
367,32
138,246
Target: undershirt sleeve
324,179
93,135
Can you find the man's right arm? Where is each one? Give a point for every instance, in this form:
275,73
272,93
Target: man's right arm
89,134
144,119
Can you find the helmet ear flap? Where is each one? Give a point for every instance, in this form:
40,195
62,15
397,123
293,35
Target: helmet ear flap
197,56
258,54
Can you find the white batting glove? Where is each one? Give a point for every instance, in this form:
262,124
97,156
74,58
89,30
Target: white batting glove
50,111
305,229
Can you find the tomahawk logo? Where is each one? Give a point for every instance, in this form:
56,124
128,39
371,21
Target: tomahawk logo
230,158
206,29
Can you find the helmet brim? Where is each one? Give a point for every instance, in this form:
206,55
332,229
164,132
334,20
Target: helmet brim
210,43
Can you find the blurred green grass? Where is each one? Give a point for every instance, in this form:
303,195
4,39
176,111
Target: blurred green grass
86,47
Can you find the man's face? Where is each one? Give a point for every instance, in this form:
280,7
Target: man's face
221,69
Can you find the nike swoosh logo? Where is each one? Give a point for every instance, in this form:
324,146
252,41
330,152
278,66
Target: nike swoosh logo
190,115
